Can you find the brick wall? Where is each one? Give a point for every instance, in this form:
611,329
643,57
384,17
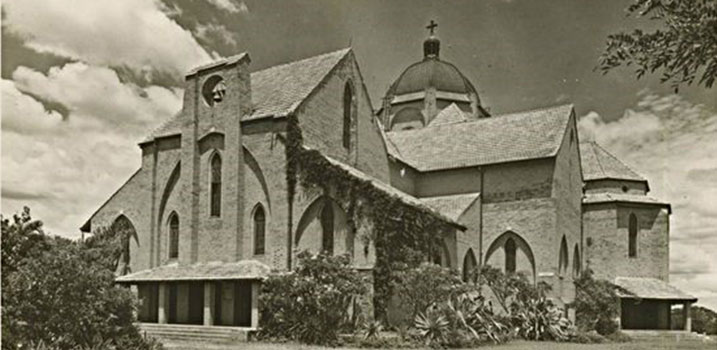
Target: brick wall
606,229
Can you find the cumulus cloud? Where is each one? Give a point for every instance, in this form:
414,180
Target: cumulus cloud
230,6
214,32
136,34
672,142
64,169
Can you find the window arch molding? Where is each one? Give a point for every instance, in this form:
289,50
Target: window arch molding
215,183
173,233
521,245
259,228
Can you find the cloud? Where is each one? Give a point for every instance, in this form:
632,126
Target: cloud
230,6
97,98
672,142
136,34
214,33
64,169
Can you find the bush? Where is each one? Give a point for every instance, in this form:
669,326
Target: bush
426,285
54,296
704,320
310,304
531,313
596,304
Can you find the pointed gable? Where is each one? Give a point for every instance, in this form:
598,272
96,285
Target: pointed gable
449,115
276,91
504,138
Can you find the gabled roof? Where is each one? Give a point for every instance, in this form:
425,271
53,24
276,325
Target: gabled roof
503,138
452,206
599,164
449,115
650,288
216,270
276,91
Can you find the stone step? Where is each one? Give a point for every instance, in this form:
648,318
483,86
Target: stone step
678,336
210,334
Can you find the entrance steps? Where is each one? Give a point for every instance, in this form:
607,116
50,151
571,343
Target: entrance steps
671,335
183,333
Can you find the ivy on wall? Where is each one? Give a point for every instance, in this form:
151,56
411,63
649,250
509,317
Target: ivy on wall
404,235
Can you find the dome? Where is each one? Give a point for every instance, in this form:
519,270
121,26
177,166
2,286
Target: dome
431,72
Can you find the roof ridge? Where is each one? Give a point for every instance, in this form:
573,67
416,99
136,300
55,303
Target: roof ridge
280,65
571,105
481,120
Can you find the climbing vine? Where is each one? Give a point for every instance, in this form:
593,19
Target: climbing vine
404,235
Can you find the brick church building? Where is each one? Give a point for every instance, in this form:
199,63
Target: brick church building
211,217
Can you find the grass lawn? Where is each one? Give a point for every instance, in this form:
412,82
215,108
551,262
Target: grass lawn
514,345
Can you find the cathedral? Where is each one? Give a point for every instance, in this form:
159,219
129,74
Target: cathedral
211,213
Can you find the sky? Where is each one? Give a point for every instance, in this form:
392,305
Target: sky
84,80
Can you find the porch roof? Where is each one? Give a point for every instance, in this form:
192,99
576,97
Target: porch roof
650,288
215,270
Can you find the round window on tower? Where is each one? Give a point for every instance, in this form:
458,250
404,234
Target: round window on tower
214,90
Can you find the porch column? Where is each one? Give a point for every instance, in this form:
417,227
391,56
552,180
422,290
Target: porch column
618,319
687,310
255,287
209,303
134,289
163,300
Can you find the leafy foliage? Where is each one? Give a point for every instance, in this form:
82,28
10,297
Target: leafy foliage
60,294
532,314
311,303
426,285
704,320
596,304
683,47
400,232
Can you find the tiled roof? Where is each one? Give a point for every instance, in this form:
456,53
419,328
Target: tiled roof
452,206
650,288
504,138
276,91
599,164
605,197
245,269
392,191
449,115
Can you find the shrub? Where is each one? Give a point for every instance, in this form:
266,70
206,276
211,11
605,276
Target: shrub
531,313
433,326
704,320
426,285
53,295
596,304
310,304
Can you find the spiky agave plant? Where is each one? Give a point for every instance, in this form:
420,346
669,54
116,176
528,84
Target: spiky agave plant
372,329
432,326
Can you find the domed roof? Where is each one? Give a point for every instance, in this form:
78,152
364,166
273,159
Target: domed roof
431,72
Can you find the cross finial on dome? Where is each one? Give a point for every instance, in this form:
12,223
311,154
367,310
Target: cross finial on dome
431,26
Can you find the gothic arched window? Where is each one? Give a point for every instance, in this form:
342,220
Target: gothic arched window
563,258
259,229
215,189
174,236
577,264
348,112
327,228
632,244
509,255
